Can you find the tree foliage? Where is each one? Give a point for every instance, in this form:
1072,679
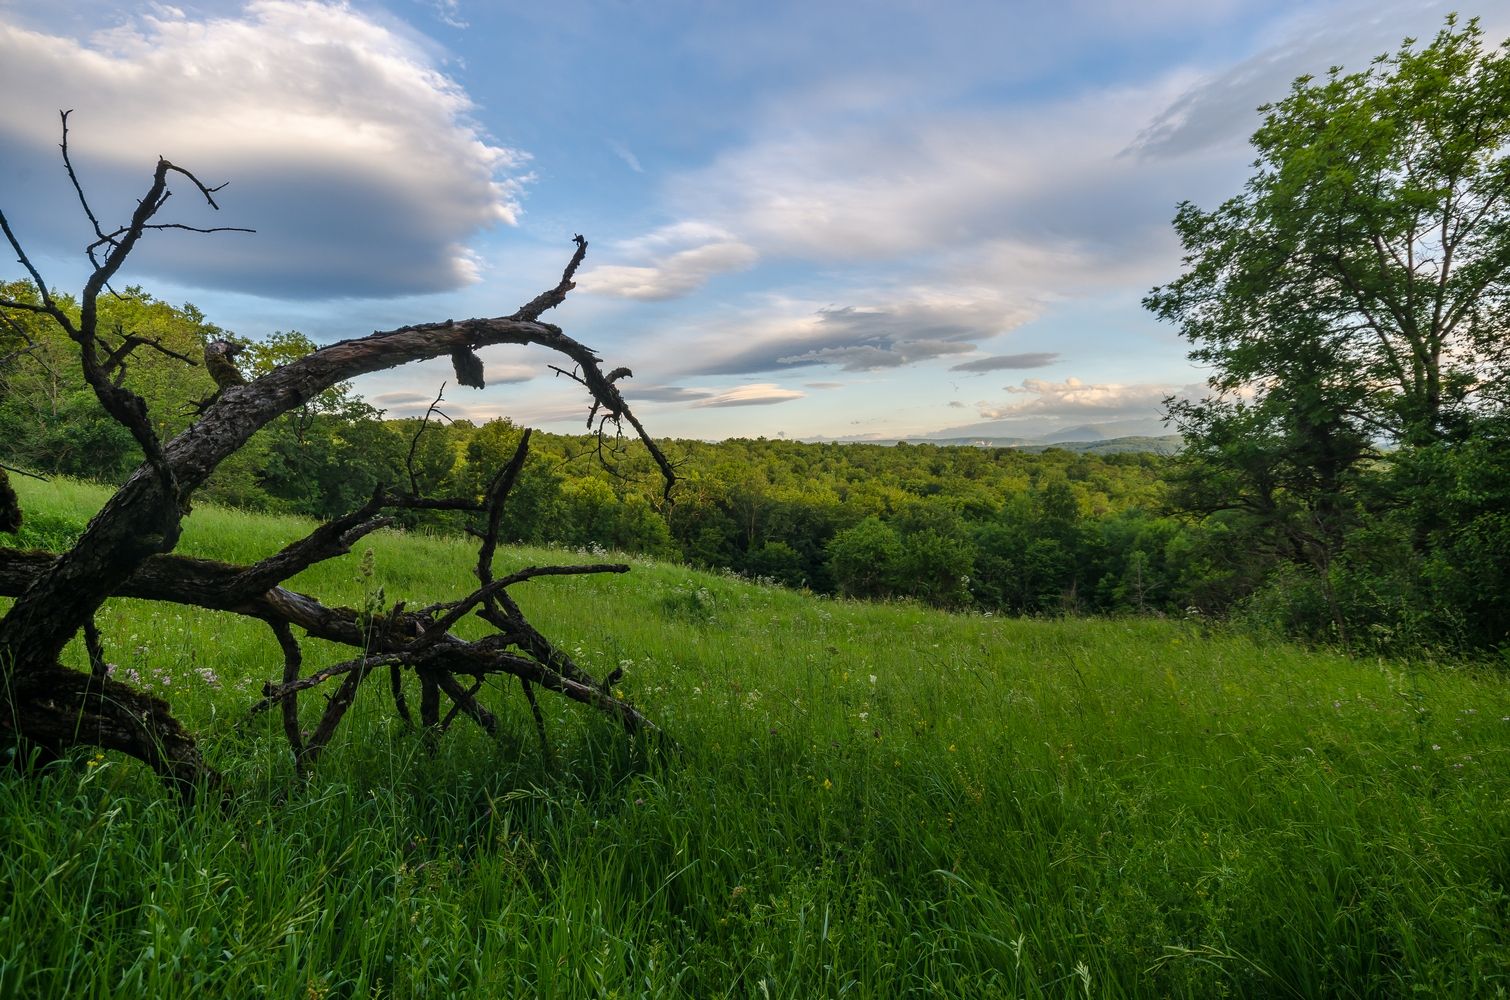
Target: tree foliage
1352,302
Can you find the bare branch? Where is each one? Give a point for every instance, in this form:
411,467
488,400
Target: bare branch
49,307
74,178
414,441
123,550
98,668
551,298
22,472
293,659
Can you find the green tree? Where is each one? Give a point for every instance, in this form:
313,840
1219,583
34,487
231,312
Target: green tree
1375,231
1351,303
864,559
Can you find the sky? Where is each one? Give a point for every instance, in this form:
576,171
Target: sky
842,220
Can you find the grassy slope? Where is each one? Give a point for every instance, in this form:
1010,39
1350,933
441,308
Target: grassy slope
874,800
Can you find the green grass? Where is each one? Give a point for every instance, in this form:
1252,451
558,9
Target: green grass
873,801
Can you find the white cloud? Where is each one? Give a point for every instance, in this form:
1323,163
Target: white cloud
351,154
448,12
1220,110
678,260
671,277
626,154
756,394
1077,399
1045,180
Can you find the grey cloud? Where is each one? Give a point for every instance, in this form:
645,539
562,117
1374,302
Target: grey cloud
667,394
867,358
344,147
1004,362
824,385
853,338
401,399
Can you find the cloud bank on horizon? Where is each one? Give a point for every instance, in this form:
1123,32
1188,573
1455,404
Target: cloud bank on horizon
797,227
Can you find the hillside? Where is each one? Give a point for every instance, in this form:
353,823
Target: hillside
877,800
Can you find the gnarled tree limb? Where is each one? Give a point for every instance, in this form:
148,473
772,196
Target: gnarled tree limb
124,549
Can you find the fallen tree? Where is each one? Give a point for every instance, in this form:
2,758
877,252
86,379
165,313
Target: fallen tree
47,708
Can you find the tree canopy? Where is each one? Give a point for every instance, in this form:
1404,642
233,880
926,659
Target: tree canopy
1351,302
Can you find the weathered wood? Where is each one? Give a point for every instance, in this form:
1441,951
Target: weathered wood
124,550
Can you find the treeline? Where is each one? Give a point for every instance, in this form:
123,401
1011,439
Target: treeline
993,529
996,529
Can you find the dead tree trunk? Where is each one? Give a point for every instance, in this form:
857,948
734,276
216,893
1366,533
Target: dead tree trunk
123,551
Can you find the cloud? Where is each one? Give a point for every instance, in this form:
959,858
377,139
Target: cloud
671,277
923,325
679,259
1072,410
667,394
1045,178
406,399
353,156
1004,362
757,394
497,374
626,154
1221,109
448,12
1080,400
824,385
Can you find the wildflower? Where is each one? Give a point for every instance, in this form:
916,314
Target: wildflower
872,678
951,748
864,716
827,784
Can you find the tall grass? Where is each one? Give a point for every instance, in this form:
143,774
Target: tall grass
870,801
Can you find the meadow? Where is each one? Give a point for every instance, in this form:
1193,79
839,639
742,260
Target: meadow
869,800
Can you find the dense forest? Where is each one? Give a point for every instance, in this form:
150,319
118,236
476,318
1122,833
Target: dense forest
992,529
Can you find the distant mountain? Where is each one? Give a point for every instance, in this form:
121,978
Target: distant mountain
1164,444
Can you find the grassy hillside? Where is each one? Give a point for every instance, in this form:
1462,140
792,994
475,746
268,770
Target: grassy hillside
873,801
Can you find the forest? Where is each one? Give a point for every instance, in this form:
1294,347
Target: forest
1417,564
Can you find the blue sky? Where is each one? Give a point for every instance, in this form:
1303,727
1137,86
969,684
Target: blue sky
819,219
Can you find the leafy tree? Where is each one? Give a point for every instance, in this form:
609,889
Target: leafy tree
1375,233
1352,303
864,559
